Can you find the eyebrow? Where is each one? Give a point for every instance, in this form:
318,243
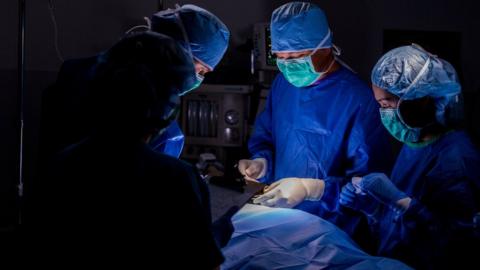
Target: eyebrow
301,54
297,55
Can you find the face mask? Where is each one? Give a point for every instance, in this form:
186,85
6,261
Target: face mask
397,128
190,82
300,71
198,80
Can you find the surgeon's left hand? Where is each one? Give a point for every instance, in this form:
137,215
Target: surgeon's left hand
351,198
383,189
289,192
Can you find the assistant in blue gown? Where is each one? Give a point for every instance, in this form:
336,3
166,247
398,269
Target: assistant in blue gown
443,180
423,213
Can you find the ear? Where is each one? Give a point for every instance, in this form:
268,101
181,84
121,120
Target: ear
418,112
322,58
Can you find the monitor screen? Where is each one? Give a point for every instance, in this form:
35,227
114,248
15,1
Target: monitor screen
264,59
270,58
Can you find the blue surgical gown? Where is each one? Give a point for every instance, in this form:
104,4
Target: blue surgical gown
330,130
170,142
443,181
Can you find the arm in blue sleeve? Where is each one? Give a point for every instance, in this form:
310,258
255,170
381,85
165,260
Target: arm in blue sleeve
369,148
261,144
441,224
333,185
442,217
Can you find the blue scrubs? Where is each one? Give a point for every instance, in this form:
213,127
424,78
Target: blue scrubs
330,130
443,180
170,142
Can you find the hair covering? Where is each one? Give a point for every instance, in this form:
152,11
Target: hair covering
205,34
299,26
410,72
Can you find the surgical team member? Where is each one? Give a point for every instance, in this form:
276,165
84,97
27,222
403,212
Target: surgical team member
422,213
102,203
207,38
65,112
319,127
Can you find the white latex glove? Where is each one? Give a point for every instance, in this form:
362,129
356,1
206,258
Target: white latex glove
252,169
289,192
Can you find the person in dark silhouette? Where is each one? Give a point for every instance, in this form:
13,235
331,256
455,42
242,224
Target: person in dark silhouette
111,191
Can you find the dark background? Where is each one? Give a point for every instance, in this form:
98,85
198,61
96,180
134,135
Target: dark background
362,28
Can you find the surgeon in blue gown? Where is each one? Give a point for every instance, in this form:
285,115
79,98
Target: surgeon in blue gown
207,37
423,212
319,127
65,110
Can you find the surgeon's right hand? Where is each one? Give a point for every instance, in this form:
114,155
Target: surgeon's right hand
291,191
252,169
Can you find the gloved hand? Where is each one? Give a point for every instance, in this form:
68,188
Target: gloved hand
381,188
252,169
356,200
289,192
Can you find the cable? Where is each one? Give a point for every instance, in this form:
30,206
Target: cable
21,86
55,29
161,4
144,27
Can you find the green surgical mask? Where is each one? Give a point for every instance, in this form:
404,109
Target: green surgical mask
198,81
300,71
397,128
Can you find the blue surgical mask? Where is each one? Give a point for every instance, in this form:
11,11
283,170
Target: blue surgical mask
398,128
300,71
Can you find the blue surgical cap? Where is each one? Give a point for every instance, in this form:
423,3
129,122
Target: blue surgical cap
207,35
299,26
410,72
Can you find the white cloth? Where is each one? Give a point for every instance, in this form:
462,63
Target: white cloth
280,238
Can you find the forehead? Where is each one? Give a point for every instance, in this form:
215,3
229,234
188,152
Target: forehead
293,54
318,52
381,92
